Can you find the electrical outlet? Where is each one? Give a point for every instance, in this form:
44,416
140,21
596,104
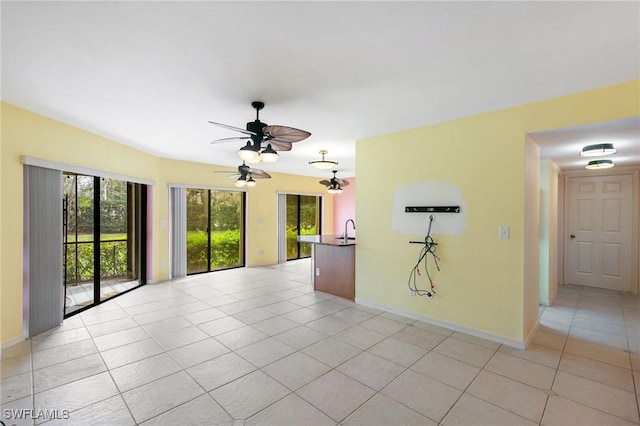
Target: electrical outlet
317,272
261,252
412,292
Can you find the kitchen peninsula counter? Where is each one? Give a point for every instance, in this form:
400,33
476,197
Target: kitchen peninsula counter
332,264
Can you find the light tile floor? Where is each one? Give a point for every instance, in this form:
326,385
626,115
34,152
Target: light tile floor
257,346
80,295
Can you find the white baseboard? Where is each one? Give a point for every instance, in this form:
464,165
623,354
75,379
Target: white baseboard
452,326
7,344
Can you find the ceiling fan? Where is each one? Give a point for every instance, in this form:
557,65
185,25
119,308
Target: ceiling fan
334,186
245,175
262,139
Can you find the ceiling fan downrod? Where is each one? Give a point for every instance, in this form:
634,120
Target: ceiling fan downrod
257,105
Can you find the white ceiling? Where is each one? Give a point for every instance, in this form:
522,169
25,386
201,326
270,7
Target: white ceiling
151,74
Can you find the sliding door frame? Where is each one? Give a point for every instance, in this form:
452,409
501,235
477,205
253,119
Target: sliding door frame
137,210
145,188
178,227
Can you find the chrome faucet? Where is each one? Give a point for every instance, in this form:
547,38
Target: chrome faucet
346,235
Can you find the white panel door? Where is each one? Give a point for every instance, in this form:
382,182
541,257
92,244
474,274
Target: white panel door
599,232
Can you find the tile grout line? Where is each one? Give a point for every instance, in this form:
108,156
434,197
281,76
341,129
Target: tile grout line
555,374
351,325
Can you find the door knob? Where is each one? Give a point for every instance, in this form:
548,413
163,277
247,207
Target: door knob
572,236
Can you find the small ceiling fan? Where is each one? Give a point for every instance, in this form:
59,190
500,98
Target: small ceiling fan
262,139
245,175
334,186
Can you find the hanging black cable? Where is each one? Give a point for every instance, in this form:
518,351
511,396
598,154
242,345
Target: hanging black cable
429,248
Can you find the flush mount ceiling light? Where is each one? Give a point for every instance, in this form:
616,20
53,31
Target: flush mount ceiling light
599,164
323,164
597,150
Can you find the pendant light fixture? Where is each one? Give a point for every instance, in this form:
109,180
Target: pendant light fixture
322,163
597,150
599,164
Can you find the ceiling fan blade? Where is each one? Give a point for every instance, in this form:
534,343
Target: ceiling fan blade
342,182
325,182
284,133
223,171
279,146
237,129
259,174
234,176
236,138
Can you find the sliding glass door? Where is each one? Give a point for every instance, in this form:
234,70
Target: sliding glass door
303,218
215,230
104,224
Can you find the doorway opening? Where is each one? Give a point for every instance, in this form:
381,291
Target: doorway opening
104,239
215,230
302,218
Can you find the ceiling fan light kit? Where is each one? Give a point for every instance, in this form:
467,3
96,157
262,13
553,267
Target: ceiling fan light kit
245,175
323,164
248,154
269,155
599,164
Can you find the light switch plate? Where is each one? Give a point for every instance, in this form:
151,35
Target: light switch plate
503,233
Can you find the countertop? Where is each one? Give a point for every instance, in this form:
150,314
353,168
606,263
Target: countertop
330,240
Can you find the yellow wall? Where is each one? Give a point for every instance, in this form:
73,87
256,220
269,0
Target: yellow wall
26,133
481,285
